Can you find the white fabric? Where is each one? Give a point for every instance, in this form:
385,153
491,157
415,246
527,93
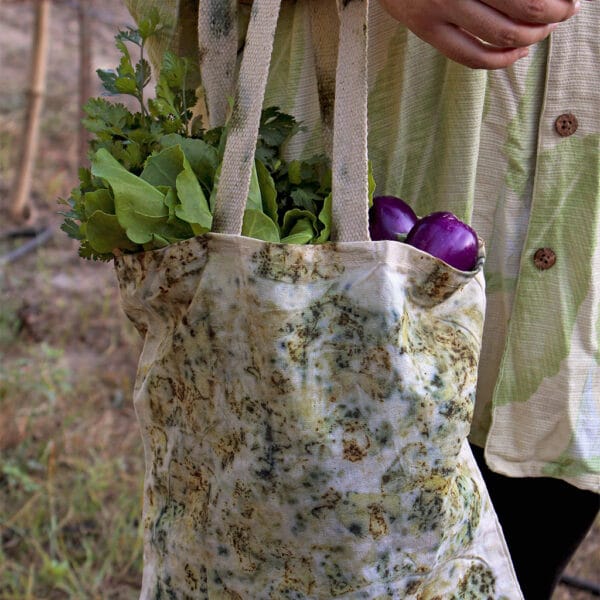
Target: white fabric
305,409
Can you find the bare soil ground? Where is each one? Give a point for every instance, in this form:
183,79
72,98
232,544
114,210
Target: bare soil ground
71,462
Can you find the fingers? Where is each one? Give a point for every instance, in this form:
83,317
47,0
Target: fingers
485,34
536,11
467,50
491,26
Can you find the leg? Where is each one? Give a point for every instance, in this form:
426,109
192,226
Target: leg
544,522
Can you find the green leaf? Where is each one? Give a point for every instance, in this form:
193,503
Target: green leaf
276,127
372,184
257,225
295,172
143,73
85,179
102,115
108,77
121,81
87,252
150,23
170,168
125,85
129,35
104,233
72,229
157,242
142,228
305,198
131,156
267,191
295,222
173,72
173,95
302,232
125,68
194,207
203,158
162,168
254,200
171,202
99,200
325,219
139,206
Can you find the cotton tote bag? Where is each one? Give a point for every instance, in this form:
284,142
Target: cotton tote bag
304,409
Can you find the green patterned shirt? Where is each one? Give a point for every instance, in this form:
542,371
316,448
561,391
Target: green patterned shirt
517,153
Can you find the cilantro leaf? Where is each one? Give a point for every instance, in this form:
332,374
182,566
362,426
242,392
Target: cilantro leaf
72,229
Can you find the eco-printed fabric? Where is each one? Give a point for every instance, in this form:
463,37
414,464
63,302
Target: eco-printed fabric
305,412
483,145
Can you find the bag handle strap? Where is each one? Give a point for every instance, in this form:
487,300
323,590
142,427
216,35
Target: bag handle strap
244,122
350,182
325,32
218,40
350,159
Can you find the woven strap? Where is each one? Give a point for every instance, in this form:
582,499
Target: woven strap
236,172
350,183
350,162
325,31
218,39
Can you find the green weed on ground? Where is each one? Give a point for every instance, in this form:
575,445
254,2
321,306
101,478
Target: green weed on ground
71,462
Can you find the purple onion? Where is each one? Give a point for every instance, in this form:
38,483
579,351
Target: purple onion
390,218
446,237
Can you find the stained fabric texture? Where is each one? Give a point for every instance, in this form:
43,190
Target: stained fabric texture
304,412
305,409
485,145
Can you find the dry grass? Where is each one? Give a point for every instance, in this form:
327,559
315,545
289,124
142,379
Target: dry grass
70,476
71,461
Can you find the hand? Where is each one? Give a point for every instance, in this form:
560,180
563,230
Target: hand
481,34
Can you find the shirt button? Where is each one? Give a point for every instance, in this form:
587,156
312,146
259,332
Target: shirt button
566,124
544,258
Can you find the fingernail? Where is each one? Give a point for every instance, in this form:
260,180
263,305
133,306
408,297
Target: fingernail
577,6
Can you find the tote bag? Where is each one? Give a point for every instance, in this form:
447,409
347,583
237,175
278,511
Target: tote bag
304,410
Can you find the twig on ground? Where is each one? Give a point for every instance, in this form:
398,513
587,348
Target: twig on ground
43,237
581,584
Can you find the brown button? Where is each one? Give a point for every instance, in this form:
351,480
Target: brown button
544,258
566,124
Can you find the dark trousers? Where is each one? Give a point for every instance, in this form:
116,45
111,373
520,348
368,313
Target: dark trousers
544,521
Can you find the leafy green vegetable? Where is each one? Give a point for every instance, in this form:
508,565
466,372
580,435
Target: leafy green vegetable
154,172
257,225
267,191
203,158
105,233
194,207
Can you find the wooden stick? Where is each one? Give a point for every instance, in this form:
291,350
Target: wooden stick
22,186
